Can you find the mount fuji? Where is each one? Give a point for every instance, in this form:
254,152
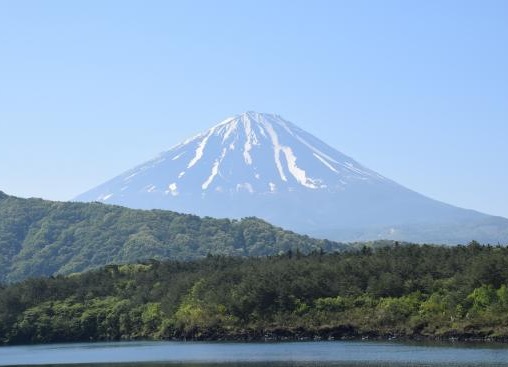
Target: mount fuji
257,164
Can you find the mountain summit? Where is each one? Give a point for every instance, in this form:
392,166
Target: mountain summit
258,164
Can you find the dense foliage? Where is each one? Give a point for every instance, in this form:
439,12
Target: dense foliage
39,237
406,290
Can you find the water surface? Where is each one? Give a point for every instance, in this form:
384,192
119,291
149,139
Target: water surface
305,354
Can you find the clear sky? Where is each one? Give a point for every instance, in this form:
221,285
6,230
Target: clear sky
415,90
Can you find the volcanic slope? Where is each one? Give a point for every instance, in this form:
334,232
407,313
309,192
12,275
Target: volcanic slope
257,164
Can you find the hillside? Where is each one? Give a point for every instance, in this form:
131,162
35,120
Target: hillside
404,291
42,238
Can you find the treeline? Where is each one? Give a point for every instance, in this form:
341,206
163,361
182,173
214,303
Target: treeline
411,291
43,238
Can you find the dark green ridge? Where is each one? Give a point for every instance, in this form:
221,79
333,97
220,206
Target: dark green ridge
44,238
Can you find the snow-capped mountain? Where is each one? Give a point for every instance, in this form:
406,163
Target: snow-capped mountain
257,164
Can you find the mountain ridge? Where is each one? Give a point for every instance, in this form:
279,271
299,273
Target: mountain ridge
256,164
44,238
257,131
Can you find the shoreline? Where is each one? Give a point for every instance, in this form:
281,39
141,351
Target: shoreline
276,335
326,334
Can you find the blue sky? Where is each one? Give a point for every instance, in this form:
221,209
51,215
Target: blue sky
415,90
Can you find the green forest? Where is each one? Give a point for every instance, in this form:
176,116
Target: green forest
44,238
405,291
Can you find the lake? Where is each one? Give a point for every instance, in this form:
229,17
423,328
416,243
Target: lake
305,354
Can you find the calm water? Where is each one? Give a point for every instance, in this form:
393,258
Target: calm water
305,354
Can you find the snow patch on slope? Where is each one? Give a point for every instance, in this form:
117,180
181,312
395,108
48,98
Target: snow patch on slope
251,139
132,175
177,156
105,197
215,170
276,148
172,189
246,186
350,166
298,173
325,162
231,127
200,149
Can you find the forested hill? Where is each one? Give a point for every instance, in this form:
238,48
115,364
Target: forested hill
405,291
42,238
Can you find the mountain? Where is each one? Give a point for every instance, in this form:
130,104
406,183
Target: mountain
257,164
43,238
